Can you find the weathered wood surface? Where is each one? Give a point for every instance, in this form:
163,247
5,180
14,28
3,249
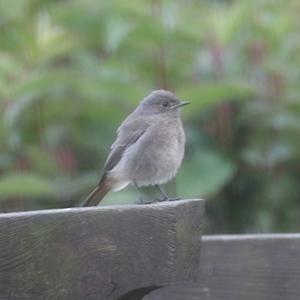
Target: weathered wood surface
243,267
99,253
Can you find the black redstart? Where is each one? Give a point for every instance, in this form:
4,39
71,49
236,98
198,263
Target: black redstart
149,147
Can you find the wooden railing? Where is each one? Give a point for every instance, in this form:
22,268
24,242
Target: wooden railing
243,267
149,252
115,252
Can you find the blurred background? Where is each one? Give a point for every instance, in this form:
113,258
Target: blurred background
71,70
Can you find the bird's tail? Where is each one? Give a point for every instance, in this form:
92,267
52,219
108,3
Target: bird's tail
97,194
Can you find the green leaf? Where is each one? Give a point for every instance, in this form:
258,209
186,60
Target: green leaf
43,162
204,174
211,94
24,185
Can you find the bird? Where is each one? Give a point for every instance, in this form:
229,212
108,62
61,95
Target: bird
148,150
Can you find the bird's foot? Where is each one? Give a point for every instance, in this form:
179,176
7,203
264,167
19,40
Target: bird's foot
167,199
157,200
144,201
151,201
175,199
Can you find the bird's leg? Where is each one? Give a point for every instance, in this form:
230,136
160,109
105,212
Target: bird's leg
141,198
165,196
162,192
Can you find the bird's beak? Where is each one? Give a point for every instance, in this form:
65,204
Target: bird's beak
182,103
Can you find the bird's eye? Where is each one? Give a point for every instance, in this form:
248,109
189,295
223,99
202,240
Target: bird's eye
165,103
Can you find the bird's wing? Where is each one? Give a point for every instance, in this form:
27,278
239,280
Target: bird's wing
128,134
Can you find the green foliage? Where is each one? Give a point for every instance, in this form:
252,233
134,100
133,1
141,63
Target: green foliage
70,71
204,175
24,185
212,94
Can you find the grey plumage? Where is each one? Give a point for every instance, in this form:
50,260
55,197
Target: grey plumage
149,147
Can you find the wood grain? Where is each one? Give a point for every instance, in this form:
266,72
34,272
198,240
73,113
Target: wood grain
98,253
243,267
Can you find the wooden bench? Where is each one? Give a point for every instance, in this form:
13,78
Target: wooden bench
108,252
243,267
149,252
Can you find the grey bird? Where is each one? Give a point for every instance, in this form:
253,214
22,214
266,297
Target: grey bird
149,147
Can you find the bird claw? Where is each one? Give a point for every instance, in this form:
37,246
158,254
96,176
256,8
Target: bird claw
150,201
156,200
175,199
169,199
142,201
166,199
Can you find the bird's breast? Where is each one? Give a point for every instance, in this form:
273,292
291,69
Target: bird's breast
156,158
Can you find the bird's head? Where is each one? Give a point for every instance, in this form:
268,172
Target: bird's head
161,101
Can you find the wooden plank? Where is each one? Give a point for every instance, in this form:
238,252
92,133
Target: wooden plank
243,267
98,253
